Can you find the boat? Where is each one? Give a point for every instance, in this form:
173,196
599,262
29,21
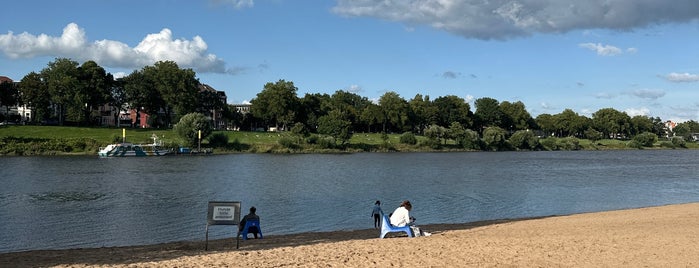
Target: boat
130,149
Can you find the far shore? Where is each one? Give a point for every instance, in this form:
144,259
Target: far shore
665,236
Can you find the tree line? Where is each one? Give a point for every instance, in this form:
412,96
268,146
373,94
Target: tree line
66,91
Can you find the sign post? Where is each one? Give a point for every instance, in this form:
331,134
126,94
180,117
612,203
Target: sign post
222,213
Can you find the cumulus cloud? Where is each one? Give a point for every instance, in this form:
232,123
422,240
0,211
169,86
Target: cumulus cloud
74,44
652,94
504,19
637,111
682,77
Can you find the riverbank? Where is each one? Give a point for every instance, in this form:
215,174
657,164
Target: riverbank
666,236
18,140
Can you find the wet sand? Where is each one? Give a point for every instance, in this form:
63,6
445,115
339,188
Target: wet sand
666,236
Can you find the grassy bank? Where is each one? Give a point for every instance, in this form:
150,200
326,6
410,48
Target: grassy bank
57,140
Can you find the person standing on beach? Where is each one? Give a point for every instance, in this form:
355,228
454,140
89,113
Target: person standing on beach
376,213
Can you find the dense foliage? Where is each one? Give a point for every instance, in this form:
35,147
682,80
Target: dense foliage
66,92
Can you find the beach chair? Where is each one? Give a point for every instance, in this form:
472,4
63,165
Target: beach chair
386,227
248,224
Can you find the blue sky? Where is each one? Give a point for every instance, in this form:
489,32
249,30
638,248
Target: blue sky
641,57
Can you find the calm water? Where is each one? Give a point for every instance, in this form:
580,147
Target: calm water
76,202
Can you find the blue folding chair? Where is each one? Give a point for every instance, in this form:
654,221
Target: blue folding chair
246,228
386,227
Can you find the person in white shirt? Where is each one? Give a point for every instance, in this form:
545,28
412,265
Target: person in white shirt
401,217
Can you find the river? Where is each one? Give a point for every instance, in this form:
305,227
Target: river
84,201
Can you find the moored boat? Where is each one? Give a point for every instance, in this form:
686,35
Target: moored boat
129,149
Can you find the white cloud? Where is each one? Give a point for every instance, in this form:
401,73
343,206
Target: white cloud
682,77
154,47
640,111
356,89
602,50
469,98
504,19
238,4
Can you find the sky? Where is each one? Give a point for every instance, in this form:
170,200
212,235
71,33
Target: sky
636,56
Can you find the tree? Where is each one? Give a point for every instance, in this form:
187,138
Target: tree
277,103
515,116
9,95
189,126
546,123
94,89
395,110
450,109
569,123
335,125
524,140
436,133
640,124
350,105
611,122
494,138
61,78
34,94
423,111
313,106
487,113
141,95
177,87
372,115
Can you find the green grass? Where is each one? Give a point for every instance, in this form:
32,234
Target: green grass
36,139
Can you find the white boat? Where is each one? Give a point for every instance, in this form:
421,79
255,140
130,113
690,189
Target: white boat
130,149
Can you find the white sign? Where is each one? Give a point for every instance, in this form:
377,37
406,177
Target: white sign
224,213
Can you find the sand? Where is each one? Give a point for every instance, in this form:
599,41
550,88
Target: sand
666,236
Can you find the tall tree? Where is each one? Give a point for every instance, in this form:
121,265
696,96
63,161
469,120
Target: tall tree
451,109
546,123
487,113
141,95
515,116
94,88
423,111
396,111
612,123
177,87
35,95
61,77
9,95
277,103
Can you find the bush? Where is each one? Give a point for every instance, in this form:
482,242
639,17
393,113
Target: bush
408,138
288,142
646,139
218,140
549,144
494,138
679,142
189,126
525,140
667,144
634,144
568,143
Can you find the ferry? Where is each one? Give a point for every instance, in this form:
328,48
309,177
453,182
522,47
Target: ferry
130,149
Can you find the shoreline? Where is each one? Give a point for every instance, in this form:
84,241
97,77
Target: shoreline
653,236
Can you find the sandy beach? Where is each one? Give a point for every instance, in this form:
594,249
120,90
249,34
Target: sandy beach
666,236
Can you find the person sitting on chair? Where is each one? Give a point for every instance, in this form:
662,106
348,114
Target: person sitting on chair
251,216
401,217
